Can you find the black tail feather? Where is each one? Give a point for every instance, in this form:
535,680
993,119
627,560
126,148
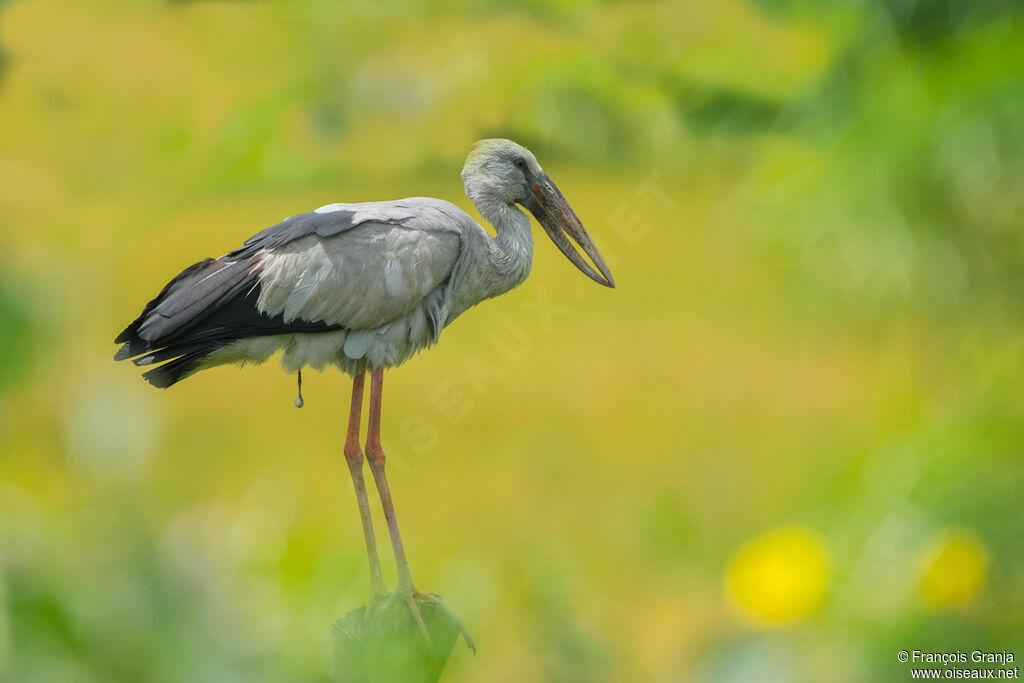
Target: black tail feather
178,369
177,350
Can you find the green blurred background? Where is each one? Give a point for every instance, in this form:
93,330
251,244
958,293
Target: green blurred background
786,447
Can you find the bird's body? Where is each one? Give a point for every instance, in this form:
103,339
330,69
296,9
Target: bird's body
362,287
422,273
356,286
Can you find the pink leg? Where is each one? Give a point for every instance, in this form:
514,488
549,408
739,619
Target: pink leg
375,454
354,458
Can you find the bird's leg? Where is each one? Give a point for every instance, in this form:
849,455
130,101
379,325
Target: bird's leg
354,458
375,455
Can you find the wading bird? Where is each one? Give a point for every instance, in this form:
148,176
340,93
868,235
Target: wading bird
362,287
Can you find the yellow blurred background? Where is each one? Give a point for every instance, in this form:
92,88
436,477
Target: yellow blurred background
786,447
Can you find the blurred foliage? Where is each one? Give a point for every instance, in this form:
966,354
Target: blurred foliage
786,447
16,337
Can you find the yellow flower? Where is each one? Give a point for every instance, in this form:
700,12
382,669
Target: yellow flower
953,568
780,576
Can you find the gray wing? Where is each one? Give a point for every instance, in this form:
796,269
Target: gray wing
344,266
361,278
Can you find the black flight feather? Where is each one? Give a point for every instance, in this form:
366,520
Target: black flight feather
129,332
206,307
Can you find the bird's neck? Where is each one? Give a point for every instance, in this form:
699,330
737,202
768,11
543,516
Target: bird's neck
510,253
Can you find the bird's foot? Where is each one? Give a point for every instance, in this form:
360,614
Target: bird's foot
379,596
435,599
414,598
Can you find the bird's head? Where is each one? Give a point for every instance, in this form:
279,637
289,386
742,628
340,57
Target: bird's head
500,170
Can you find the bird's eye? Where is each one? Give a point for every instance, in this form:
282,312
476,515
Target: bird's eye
520,164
